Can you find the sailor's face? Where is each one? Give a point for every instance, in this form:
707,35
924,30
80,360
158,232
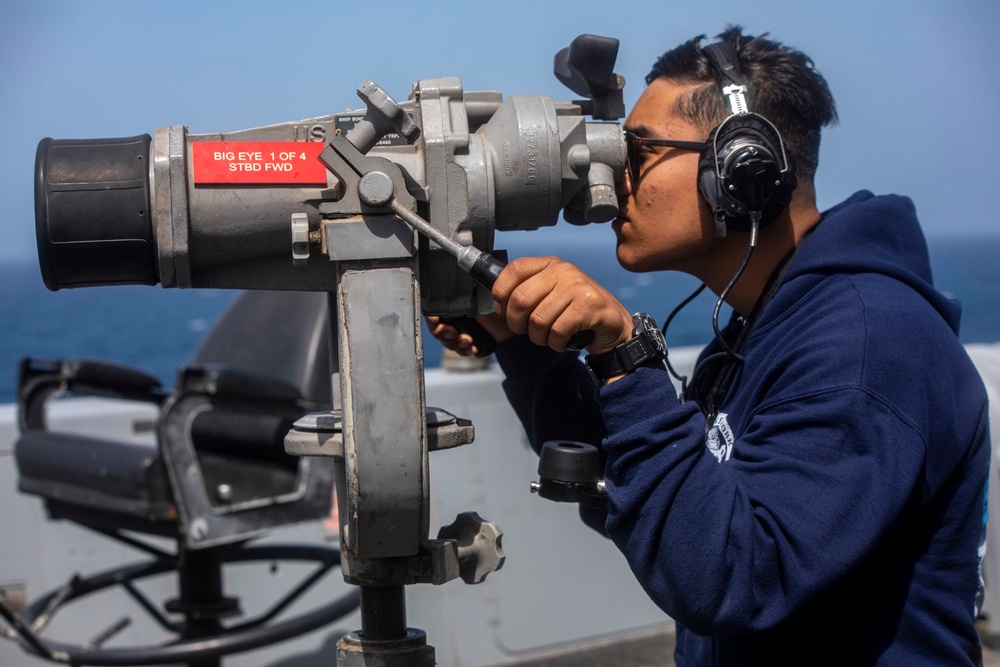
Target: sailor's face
663,221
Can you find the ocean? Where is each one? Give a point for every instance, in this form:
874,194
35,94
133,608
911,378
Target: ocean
159,329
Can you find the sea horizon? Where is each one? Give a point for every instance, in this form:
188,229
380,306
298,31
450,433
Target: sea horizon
159,329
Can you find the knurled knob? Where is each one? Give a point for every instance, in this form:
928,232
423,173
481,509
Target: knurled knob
479,548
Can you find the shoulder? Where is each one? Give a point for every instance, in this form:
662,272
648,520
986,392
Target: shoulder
873,334
847,329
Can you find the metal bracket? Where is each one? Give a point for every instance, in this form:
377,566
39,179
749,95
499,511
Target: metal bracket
207,524
321,433
737,100
349,165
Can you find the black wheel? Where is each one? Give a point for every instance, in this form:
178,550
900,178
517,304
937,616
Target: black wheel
244,636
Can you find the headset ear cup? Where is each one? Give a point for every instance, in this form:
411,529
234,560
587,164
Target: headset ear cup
748,152
711,187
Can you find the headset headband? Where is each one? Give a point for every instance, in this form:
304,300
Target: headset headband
726,64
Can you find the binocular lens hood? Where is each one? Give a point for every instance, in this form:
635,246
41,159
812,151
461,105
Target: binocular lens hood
93,220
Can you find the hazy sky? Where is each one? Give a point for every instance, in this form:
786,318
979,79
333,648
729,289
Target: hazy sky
916,82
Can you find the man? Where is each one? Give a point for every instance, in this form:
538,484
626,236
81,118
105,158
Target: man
820,499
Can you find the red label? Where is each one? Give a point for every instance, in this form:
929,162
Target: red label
267,162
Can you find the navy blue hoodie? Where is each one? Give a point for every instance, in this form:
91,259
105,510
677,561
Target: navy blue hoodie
834,512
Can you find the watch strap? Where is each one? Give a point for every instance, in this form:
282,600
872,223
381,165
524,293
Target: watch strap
623,359
646,345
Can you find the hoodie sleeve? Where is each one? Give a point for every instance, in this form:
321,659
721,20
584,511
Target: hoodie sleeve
812,485
553,396
551,392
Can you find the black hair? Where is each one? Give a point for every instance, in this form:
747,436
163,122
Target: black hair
784,87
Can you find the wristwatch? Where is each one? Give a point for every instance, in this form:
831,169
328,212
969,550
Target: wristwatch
645,348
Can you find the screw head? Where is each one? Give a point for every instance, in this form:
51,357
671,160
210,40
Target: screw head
375,188
199,529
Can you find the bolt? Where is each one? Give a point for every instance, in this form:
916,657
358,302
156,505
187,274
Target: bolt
535,487
375,188
199,529
224,492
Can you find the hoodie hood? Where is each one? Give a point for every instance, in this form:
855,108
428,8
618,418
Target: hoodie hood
871,234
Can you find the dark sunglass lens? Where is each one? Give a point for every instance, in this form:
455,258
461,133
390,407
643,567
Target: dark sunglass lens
633,156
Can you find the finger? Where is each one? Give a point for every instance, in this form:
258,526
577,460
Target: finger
442,331
555,308
547,296
525,299
515,274
572,303
463,351
445,334
539,277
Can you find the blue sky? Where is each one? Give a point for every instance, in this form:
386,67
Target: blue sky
916,81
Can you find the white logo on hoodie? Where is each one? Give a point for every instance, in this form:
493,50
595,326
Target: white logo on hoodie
720,439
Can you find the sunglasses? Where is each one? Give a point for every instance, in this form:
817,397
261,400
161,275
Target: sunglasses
633,142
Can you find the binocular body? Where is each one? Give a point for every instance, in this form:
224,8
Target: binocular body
271,207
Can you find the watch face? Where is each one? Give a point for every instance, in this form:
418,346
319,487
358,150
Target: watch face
643,323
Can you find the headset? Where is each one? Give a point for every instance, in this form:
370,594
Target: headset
745,175
743,171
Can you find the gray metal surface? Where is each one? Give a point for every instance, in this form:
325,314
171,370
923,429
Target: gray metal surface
385,439
478,164
368,237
